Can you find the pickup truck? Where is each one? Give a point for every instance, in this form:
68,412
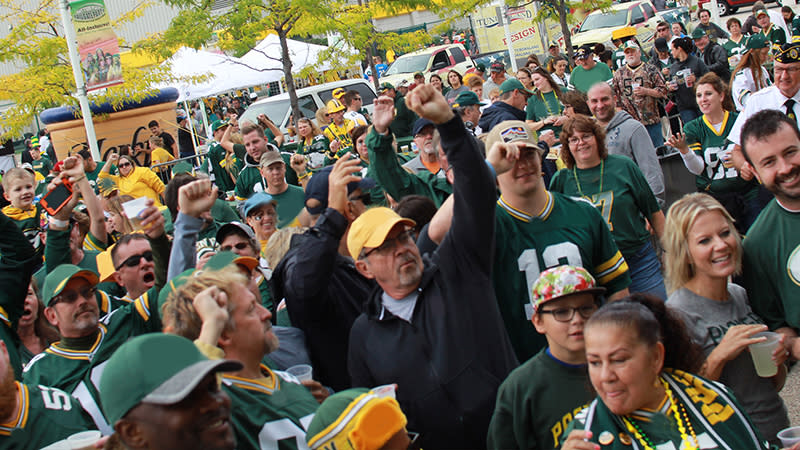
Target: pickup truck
598,25
439,60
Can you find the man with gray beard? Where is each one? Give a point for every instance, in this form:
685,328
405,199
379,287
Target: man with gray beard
427,159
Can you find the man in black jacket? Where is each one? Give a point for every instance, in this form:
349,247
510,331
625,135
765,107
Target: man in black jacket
511,106
323,290
434,328
715,57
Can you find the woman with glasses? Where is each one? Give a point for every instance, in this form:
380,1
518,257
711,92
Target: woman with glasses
707,154
641,363
702,251
133,180
620,192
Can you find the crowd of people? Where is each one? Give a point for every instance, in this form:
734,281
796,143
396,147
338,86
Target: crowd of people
518,280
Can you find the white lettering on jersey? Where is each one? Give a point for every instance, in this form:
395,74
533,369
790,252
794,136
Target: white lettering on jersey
553,255
277,430
55,398
715,170
793,266
84,396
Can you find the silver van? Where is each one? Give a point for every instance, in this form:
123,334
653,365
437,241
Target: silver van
309,100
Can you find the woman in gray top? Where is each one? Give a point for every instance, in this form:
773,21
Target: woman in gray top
703,249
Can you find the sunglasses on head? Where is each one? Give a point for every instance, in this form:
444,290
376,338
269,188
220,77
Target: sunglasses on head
133,260
70,296
237,246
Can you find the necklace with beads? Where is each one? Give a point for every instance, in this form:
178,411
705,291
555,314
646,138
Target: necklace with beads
578,183
680,418
548,107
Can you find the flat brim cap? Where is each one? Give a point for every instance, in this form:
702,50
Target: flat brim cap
156,368
510,131
224,259
57,280
371,228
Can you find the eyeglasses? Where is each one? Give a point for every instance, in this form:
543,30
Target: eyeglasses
365,198
566,314
358,99
70,296
791,70
575,139
401,239
237,246
259,216
133,260
125,164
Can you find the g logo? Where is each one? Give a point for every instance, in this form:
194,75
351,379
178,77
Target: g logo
793,266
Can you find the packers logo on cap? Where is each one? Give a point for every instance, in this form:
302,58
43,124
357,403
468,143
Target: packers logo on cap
514,134
788,53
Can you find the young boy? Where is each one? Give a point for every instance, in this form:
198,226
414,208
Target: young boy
19,186
538,400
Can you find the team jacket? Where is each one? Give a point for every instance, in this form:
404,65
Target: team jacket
450,360
324,294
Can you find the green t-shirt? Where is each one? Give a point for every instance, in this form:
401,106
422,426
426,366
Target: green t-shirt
269,413
582,79
566,231
216,164
247,181
46,415
78,371
290,203
619,191
771,266
710,146
42,165
543,105
536,403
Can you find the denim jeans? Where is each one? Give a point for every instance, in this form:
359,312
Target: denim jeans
645,271
656,134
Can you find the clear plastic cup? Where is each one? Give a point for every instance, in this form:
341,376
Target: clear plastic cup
132,210
762,354
789,436
302,372
84,440
387,390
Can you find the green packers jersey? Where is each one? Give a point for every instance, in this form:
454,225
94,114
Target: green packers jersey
46,415
735,48
248,178
290,203
215,164
78,371
30,222
771,266
543,105
536,403
775,35
619,191
42,165
566,231
318,144
270,413
703,139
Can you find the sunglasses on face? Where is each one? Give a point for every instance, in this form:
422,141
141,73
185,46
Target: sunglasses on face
133,260
87,292
125,164
237,246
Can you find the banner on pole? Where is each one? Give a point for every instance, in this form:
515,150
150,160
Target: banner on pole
97,44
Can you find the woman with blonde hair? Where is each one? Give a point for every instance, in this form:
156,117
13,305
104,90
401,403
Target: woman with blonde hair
702,251
310,138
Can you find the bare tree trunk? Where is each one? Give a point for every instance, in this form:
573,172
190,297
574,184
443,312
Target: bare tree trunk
372,69
288,79
562,17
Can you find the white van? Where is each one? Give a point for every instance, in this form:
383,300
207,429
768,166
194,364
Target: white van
309,100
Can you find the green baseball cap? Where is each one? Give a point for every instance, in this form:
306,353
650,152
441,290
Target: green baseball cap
222,260
757,41
182,167
217,124
173,285
106,186
56,280
467,98
155,368
760,12
385,87
698,33
513,84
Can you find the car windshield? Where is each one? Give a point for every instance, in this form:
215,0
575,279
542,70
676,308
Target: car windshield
409,64
276,111
604,20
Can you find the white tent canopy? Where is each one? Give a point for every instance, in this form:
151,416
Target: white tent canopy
227,73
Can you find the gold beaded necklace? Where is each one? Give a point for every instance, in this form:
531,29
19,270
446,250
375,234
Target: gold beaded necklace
634,429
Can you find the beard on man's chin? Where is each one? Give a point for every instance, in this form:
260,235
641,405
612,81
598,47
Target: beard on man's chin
8,393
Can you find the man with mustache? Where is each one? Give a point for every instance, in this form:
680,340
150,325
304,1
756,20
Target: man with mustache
160,392
771,259
34,416
75,363
427,159
433,328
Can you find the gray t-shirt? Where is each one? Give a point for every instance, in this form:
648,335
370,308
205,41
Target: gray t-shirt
403,308
708,320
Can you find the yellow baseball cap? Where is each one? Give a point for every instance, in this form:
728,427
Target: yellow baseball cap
371,229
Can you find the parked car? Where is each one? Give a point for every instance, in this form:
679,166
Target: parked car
309,100
730,6
598,25
439,59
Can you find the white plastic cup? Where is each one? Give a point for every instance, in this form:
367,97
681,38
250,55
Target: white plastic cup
302,372
386,390
761,353
789,436
727,159
132,210
84,440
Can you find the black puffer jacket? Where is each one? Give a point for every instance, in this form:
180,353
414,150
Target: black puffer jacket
497,113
